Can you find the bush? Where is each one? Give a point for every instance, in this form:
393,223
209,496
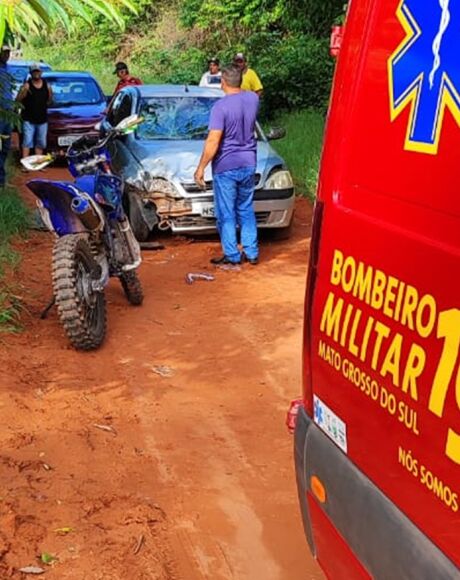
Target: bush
13,220
13,214
296,72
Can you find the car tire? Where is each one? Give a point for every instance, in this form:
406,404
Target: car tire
140,228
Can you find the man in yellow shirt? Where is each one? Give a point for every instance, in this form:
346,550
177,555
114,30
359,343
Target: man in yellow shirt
251,81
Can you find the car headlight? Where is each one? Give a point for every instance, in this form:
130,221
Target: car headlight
279,180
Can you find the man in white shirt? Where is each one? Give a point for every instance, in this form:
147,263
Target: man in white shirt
212,77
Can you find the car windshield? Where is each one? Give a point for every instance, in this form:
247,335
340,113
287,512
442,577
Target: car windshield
174,118
20,72
68,92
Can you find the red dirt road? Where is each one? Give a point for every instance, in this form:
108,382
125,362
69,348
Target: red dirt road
163,455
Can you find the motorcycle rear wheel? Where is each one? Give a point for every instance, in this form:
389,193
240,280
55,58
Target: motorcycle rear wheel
132,287
81,309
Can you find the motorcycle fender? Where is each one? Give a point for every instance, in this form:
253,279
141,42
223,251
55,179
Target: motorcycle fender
55,201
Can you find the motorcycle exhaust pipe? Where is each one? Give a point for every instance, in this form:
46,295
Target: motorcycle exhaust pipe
84,210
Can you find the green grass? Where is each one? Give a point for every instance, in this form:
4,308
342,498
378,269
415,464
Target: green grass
72,55
10,312
13,214
301,148
14,218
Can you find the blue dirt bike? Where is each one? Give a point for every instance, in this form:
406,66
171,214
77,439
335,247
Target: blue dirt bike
94,239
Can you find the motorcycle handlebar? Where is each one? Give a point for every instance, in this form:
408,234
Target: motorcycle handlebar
133,122
71,152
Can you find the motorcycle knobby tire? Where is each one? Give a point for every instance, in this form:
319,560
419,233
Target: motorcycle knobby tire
82,310
132,287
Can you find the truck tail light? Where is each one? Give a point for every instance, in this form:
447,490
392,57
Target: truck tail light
335,41
291,417
311,283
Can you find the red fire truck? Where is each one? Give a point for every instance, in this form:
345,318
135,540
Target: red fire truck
377,436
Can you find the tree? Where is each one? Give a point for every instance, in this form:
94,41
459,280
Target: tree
22,17
18,18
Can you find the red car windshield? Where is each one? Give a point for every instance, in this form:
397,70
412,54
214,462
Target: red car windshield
68,92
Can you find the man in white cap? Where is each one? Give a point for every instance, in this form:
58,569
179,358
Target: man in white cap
212,78
6,102
35,96
251,81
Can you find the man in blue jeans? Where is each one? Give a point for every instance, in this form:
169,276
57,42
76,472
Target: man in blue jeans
35,95
232,147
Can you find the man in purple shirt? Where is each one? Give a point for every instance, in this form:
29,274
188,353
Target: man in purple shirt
232,147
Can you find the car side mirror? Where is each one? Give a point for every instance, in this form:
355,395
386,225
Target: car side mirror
275,133
104,127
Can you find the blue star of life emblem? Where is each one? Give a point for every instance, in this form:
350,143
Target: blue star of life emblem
318,413
424,71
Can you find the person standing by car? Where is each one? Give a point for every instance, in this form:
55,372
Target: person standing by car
212,77
232,148
6,97
124,78
35,95
251,81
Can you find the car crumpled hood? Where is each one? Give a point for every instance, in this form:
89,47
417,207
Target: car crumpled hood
178,160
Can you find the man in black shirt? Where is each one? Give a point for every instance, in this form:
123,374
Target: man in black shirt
35,96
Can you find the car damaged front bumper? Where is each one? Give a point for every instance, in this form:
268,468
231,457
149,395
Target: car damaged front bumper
193,211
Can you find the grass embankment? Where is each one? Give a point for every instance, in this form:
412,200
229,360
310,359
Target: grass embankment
13,221
301,148
90,59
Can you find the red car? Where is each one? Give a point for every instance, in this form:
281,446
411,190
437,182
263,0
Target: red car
78,105
377,436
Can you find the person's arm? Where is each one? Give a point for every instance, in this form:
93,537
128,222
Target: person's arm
22,92
210,149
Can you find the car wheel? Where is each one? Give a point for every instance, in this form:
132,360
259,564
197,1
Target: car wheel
140,228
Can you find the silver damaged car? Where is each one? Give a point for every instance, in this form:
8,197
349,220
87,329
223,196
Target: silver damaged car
158,162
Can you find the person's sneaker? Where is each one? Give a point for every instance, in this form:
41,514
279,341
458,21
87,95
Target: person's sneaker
222,260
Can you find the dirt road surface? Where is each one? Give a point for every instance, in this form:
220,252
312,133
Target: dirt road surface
163,455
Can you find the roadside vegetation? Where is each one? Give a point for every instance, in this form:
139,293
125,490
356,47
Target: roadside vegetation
301,148
14,218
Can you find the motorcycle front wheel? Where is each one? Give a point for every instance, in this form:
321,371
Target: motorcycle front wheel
81,308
